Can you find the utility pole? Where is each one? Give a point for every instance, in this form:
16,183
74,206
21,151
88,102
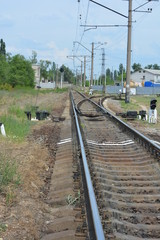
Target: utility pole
127,95
78,57
81,73
62,75
84,73
57,76
122,78
103,71
92,58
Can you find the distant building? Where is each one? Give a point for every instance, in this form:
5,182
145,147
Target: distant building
139,77
45,84
36,68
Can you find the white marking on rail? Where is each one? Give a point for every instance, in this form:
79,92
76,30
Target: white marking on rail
155,142
123,143
67,140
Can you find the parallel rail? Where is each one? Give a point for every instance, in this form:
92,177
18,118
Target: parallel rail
94,208
122,172
151,145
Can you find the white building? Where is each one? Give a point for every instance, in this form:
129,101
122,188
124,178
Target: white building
36,68
146,75
41,83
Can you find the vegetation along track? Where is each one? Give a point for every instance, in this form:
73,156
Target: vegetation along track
125,173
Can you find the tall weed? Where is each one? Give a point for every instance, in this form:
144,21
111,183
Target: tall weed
16,128
8,172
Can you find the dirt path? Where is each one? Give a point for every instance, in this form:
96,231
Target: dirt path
24,214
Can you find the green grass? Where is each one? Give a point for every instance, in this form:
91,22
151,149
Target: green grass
128,106
14,118
8,172
16,128
60,90
9,180
137,103
16,111
3,227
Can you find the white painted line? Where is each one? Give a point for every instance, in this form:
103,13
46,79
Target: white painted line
67,140
155,142
123,143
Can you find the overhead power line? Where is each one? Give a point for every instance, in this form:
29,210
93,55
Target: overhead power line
112,10
103,25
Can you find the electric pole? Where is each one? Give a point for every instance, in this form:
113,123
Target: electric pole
81,73
127,95
84,73
103,74
92,57
78,57
57,77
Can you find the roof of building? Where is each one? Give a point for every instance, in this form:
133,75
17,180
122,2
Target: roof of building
153,71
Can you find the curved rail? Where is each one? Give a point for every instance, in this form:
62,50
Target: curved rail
125,175
94,208
152,146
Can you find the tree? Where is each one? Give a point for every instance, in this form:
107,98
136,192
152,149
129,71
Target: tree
4,69
20,72
115,75
33,58
2,47
149,66
108,73
52,72
121,68
156,67
68,74
109,77
153,66
44,69
136,67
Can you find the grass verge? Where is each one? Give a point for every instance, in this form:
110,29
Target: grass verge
16,128
9,178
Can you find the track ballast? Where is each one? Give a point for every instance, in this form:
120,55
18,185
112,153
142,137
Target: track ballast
125,174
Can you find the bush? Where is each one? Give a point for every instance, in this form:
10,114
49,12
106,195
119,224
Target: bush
5,86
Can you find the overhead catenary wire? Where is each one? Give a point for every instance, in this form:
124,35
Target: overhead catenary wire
140,20
81,38
120,36
78,13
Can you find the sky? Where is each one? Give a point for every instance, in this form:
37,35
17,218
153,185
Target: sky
56,30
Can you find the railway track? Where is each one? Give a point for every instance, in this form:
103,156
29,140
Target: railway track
124,171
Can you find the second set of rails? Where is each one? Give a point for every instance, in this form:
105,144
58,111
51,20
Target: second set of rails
123,171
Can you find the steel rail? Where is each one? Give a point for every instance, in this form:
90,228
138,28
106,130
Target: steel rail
136,133
93,203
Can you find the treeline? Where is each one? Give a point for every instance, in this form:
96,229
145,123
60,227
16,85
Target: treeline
116,75
50,71
14,70
17,70
137,67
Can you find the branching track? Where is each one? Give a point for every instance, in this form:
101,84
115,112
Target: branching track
125,172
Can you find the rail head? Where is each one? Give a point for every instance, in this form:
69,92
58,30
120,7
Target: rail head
142,139
93,203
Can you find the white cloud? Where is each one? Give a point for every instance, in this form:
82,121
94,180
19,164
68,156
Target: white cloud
13,50
6,20
58,55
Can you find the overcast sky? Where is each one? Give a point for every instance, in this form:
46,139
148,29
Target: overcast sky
50,27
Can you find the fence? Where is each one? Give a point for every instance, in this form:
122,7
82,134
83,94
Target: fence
134,91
